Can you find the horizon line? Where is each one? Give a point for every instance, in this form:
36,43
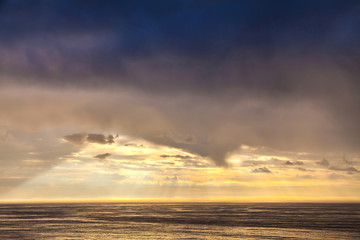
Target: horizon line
283,199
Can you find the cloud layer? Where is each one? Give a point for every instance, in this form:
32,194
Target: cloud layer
205,77
217,126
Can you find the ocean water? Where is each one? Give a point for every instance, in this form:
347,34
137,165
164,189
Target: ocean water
180,221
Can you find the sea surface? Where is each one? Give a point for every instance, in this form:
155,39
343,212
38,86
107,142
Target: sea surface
180,221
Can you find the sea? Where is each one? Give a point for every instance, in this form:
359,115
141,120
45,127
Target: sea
180,221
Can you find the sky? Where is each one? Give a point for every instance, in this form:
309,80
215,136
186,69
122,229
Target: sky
180,100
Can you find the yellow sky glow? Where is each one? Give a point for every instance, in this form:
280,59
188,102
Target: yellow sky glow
136,170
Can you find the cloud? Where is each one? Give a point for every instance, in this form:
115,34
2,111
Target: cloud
105,34
204,77
206,90
298,163
220,127
176,156
103,156
100,138
290,163
76,138
261,170
346,169
133,145
81,138
249,163
305,170
271,162
324,163
351,169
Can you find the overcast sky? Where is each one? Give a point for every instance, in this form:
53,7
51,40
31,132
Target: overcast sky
193,93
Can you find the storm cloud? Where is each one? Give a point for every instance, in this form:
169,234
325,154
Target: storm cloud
204,76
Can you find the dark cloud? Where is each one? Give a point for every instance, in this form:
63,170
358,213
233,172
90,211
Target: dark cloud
298,163
305,170
346,169
261,170
324,163
103,156
76,138
100,138
112,42
290,163
176,156
271,162
110,139
81,138
352,169
133,145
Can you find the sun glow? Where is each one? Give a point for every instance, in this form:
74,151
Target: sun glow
136,170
